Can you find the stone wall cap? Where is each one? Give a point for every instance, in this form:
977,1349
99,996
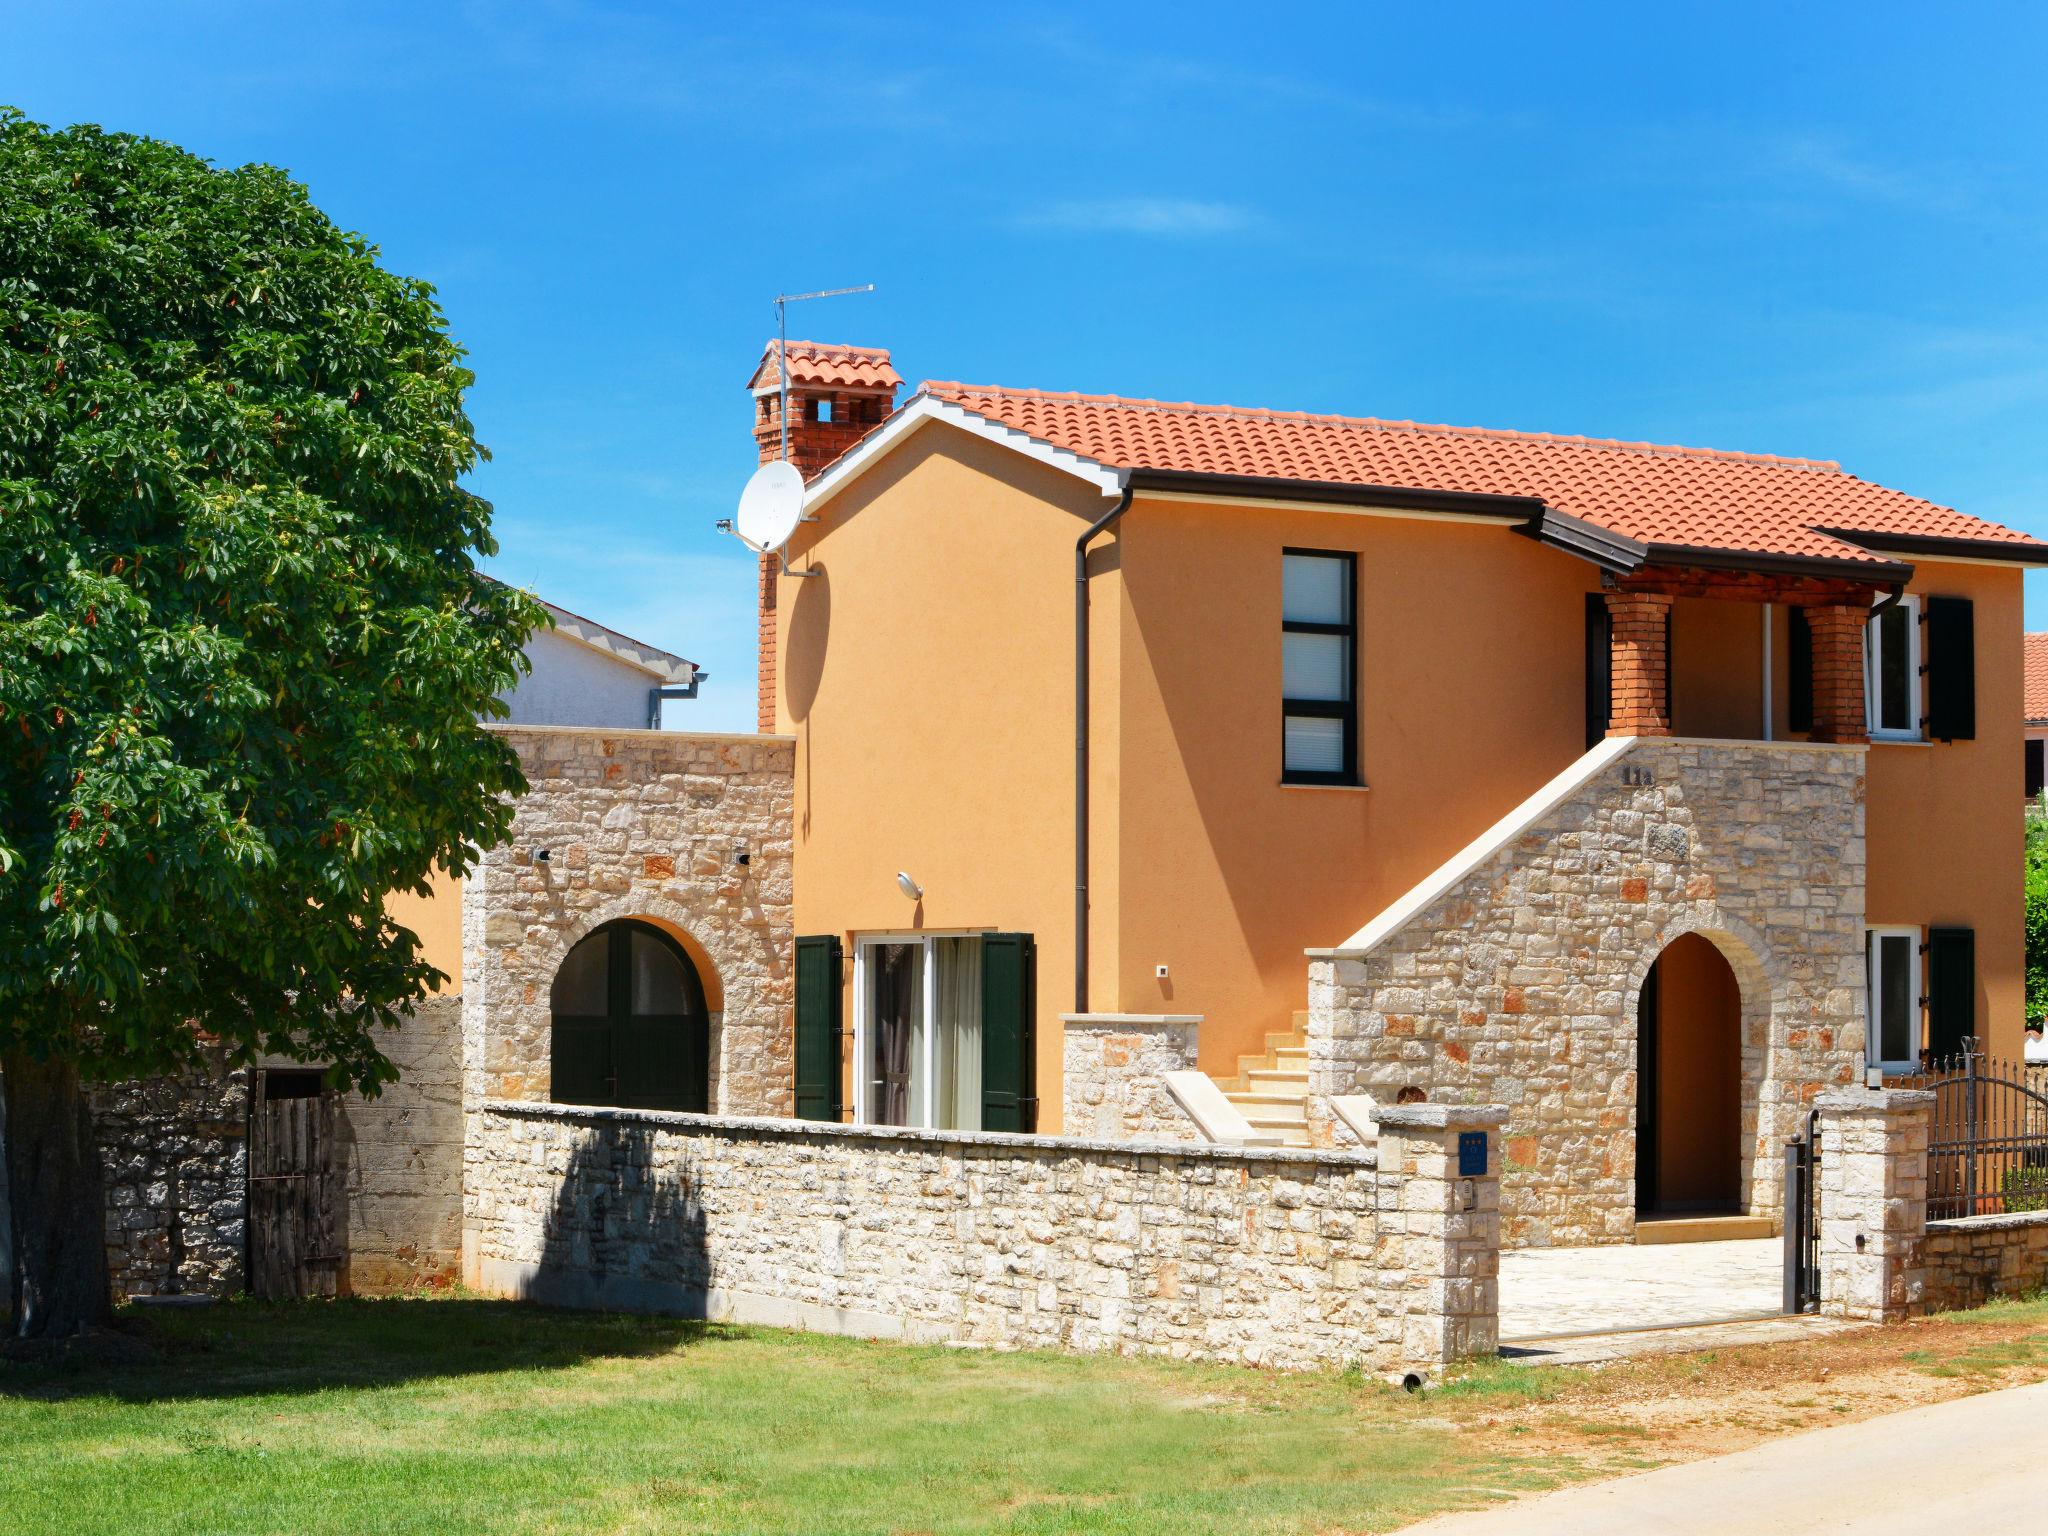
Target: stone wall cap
1132,1018
1438,1117
1873,1101
635,733
2004,1221
767,1127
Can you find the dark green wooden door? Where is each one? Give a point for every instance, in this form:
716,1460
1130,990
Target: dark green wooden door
630,1026
1009,1006
818,972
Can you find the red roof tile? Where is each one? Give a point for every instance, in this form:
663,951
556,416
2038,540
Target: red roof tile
830,365
2037,678
1653,493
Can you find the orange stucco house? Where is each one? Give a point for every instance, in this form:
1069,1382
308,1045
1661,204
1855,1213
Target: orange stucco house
1170,769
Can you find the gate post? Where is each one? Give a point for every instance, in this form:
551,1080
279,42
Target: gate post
1441,1165
1873,1201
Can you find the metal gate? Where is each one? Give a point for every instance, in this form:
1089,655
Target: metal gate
294,1193
1987,1150
1802,1218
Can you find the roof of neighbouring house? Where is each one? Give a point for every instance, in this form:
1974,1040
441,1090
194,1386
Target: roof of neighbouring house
2036,686
1661,497
815,363
650,659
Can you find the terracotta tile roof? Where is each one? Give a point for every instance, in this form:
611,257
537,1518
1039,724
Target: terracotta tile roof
1649,492
2037,679
831,365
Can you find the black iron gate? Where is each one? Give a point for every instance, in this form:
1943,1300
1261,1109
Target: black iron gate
1802,1218
1987,1149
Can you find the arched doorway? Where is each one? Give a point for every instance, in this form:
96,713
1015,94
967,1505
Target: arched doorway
1689,1083
630,1025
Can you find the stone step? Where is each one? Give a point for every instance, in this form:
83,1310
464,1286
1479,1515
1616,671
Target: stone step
1699,1229
1277,1079
1291,1053
1275,1116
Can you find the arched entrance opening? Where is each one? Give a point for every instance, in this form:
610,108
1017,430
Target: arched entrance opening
1689,1083
630,1027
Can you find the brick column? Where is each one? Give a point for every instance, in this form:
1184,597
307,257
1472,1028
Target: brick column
1447,1226
764,700
1838,673
1873,1202
1640,668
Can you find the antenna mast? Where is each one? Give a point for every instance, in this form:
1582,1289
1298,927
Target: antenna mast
782,303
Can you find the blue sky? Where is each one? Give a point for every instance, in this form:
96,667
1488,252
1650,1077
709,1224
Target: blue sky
1812,230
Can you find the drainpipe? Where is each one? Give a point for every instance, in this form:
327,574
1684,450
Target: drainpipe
1123,503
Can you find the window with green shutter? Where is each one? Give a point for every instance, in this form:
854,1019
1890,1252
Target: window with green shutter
1009,1005
818,992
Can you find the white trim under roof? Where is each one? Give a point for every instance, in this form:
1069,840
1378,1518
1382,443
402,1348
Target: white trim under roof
928,408
635,653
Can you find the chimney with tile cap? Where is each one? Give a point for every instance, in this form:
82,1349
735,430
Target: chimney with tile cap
837,394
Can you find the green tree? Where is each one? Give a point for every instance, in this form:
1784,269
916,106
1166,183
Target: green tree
243,647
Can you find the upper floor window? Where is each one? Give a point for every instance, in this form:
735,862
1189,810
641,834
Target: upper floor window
1319,665
1891,670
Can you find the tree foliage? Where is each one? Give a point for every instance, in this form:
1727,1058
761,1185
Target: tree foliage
243,641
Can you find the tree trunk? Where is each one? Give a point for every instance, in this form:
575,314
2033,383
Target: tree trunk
56,1200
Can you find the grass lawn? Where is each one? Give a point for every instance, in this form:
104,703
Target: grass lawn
458,1415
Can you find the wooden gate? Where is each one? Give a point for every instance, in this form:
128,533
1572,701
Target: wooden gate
295,1245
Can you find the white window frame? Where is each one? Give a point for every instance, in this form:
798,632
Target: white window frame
863,1016
1873,1045
1916,702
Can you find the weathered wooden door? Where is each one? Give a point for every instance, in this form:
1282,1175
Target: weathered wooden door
295,1242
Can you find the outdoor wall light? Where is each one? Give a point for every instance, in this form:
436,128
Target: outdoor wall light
909,887
541,855
740,854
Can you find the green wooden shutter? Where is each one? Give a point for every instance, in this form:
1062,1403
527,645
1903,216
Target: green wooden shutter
1799,671
1951,989
818,991
1009,1005
1951,669
1599,669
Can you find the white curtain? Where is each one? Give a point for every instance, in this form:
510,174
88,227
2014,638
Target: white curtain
958,1057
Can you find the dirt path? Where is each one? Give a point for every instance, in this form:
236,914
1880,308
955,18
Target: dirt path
1683,1407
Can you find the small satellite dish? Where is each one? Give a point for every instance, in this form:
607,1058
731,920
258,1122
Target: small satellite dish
771,506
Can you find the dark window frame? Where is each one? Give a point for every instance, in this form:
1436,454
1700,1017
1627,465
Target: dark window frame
1345,710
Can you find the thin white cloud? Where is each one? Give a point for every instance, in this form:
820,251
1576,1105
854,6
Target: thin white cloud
1167,217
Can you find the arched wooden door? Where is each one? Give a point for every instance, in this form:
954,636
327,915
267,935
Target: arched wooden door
630,1025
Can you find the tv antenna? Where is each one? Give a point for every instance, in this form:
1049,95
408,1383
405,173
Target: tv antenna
782,303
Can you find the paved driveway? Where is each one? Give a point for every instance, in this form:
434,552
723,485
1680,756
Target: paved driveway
1548,1293
1957,1466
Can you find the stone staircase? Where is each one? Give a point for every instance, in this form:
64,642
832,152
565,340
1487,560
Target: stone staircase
1271,1088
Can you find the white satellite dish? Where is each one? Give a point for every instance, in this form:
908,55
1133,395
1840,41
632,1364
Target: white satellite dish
770,507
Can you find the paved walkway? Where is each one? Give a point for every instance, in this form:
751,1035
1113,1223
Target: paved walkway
1549,1293
1951,1467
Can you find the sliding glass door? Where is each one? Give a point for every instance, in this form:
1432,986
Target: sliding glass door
919,1023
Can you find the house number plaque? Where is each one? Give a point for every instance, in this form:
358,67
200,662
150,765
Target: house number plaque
1471,1154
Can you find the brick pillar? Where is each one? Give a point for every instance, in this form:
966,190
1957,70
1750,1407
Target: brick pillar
1447,1226
764,629
1838,673
1873,1202
1640,668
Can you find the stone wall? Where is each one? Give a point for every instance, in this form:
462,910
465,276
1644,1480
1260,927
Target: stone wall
175,1153
401,1158
643,824
1514,977
1968,1262
1113,1075
1292,1259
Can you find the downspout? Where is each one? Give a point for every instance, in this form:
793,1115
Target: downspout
1123,503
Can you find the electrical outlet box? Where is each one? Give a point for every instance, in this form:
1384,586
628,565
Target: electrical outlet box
1159,971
